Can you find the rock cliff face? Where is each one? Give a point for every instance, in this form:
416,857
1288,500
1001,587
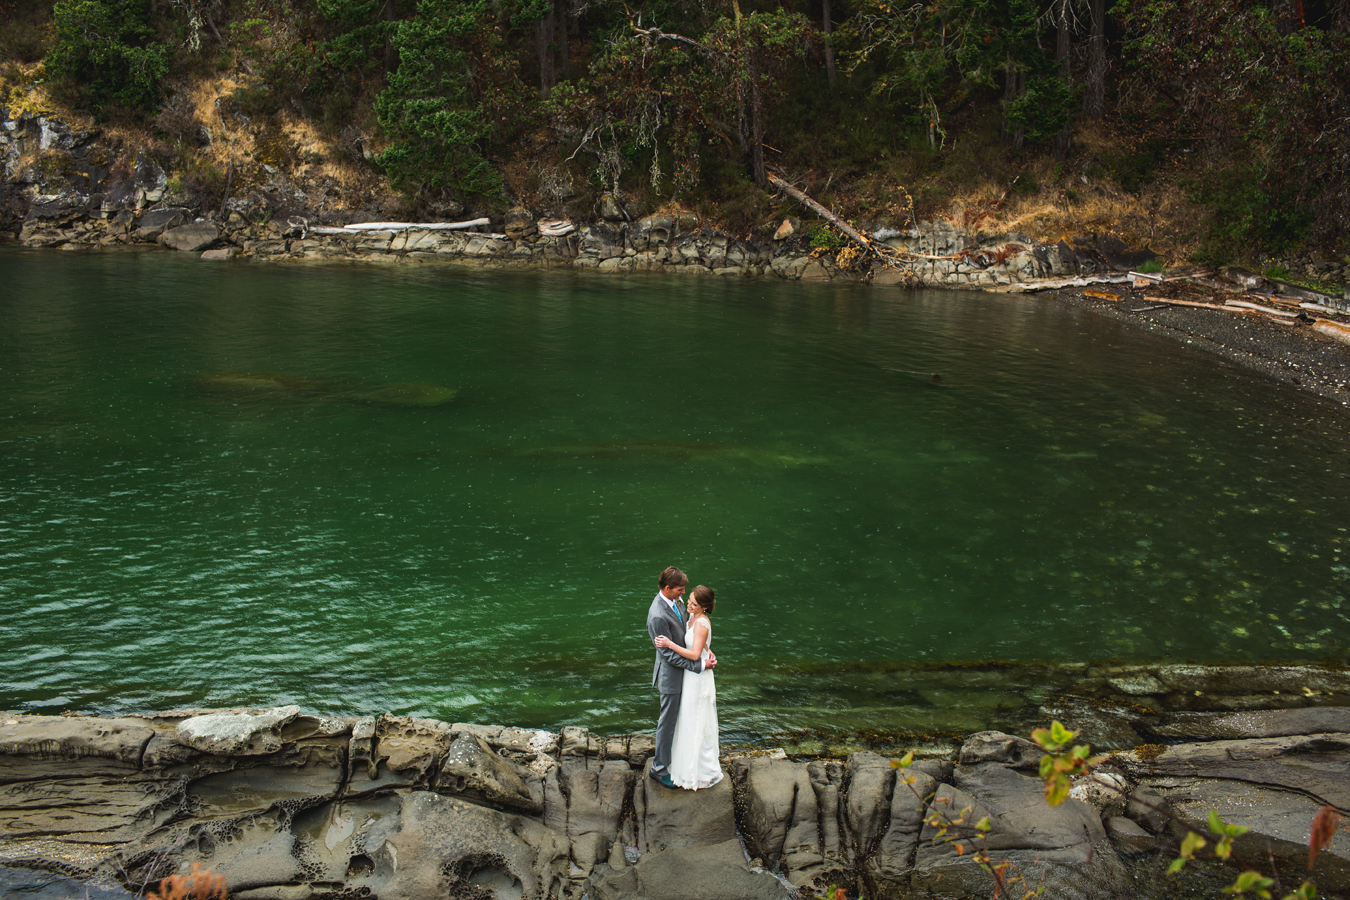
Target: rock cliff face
67,189
289,806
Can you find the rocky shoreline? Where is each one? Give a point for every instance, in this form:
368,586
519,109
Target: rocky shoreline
289,806
72,189
1287,351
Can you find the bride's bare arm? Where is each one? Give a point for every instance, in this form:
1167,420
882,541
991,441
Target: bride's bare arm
694,652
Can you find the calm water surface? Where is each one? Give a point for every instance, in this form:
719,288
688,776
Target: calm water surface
206,499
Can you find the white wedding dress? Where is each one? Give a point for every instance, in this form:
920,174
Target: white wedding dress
693,754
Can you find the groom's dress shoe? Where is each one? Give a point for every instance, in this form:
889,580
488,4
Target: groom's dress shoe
663,778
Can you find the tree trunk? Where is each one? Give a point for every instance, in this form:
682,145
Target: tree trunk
563,29
543,46
1094,98
757,127
829,51
1013,86
1063,140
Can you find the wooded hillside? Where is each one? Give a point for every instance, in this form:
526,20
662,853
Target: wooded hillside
1215,130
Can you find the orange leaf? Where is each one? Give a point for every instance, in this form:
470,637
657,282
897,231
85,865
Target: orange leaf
1324,827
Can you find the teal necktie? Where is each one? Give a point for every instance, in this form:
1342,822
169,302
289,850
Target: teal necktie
678,615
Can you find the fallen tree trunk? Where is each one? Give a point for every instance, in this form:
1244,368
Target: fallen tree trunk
795,194
889,256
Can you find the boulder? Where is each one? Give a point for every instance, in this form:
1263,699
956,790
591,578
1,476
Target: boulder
191,237
118,196
54,222
154,222
415,845
1128,837
997,747
780,815
1148,809
1063,847
888,869
1248,680
599,241
251,732
652,232
610,210
472,770
870,779
595,799
408,753
149,179
574,741
518,223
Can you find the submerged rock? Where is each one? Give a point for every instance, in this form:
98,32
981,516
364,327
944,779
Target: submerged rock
405,394
234,383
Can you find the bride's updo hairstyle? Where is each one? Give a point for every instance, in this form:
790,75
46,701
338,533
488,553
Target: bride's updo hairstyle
704,595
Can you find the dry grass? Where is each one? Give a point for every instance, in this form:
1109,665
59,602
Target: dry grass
1160,216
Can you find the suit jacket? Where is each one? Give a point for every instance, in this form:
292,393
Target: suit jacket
668,673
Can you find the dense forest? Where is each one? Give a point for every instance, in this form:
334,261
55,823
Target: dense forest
1214,130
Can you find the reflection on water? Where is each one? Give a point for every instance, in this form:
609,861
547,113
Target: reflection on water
448,492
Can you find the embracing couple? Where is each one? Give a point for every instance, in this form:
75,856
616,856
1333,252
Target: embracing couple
686,732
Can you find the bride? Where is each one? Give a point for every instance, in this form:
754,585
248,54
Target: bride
693,755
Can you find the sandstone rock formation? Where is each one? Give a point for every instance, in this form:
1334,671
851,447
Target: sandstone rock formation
289,806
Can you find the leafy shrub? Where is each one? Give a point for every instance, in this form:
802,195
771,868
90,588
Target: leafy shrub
1249,209
106,54
826,238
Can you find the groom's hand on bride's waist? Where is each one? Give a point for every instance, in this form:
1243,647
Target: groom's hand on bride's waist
712,661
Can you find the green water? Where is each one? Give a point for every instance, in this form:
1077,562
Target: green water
200,505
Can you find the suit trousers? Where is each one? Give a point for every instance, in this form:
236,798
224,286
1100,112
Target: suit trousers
665,733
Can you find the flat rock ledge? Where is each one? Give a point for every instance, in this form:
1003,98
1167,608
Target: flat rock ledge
289,806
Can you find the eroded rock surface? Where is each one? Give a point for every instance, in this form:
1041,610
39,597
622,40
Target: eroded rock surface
288,806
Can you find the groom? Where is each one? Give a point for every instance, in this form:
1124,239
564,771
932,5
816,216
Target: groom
667,617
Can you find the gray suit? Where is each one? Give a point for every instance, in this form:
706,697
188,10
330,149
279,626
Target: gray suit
667,677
